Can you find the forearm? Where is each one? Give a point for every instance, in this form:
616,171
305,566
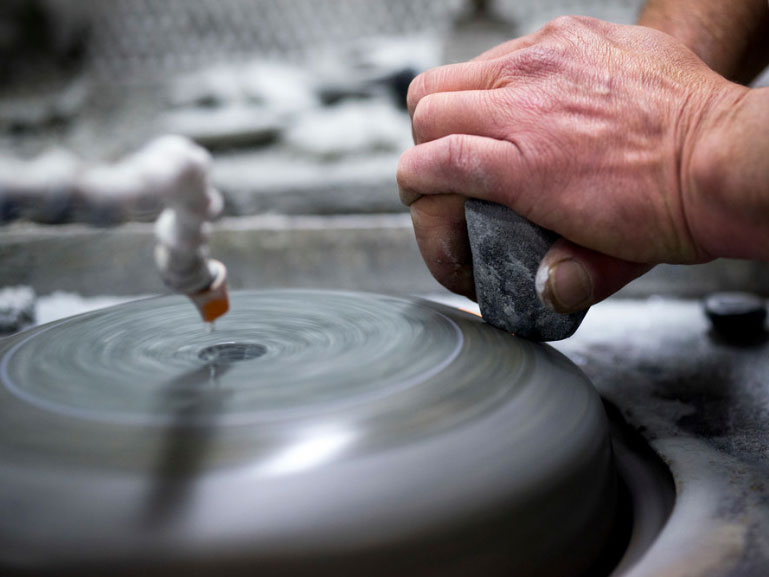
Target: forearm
728,196
731,37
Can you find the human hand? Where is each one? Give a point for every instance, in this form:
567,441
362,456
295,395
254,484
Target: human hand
586,128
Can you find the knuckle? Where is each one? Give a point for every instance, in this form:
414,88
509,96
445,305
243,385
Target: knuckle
401,173
565,23
403,178
457,153
423,86
423,115
504,71
575,29
537,60
416,91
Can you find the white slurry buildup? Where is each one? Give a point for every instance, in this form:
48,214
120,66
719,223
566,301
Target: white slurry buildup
178,171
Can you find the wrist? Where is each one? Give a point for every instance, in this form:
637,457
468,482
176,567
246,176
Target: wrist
732,40
684,23
725,176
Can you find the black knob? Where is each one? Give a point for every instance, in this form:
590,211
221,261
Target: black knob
736,316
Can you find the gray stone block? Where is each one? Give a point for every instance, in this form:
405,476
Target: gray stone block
507,250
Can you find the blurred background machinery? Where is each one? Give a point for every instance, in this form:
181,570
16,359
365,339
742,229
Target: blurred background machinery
300,103
91,75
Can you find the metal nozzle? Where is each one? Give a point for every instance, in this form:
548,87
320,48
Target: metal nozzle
213,302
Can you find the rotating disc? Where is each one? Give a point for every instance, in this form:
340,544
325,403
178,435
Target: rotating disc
312,431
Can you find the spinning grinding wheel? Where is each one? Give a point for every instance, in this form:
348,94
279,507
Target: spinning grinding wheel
313,431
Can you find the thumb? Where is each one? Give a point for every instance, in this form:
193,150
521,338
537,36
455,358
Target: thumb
572,278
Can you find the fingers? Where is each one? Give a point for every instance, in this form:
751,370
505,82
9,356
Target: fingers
572,278
450,78
478,74
467,112
441,233
468,165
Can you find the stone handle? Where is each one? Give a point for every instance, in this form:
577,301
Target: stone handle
507,250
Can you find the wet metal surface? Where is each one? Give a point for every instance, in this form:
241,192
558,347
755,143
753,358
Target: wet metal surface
366,434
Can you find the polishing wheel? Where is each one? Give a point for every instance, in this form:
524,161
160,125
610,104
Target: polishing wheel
312,432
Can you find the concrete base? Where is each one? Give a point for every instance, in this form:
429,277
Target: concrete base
375,253
371,252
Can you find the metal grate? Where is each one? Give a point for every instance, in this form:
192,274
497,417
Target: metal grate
131,40
132,48
152,38
155,37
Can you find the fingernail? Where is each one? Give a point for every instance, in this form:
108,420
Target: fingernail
565,286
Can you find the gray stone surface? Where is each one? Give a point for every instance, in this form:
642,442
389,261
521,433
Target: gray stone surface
507,250
702,404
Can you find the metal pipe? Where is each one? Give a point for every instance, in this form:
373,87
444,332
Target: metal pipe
170,171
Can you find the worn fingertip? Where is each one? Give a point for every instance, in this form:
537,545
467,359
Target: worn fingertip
414,93
407,195
564,286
